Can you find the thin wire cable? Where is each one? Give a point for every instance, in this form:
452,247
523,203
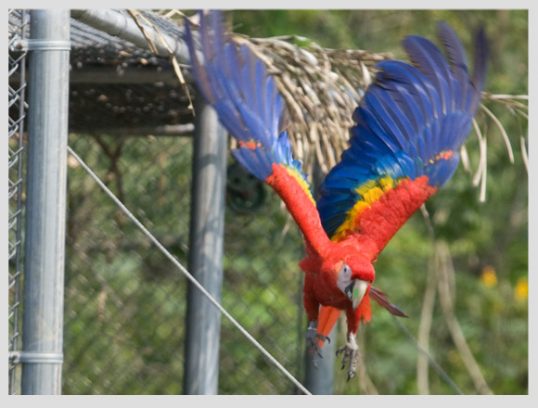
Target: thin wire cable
186,273
442,373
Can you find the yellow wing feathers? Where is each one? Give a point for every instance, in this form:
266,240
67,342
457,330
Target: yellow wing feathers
370,192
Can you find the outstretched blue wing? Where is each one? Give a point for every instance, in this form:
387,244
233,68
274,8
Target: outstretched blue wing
236,83
410,124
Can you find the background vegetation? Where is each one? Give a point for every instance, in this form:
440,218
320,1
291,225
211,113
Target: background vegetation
125,303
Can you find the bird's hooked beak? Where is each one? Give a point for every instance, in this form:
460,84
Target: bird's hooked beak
355,291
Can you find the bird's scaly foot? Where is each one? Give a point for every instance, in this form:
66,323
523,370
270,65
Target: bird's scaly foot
313,338
350,357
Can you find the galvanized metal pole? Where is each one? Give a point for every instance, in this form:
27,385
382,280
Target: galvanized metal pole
48,83
205,256
319,372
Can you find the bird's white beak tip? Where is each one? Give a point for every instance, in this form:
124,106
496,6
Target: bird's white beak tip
359,290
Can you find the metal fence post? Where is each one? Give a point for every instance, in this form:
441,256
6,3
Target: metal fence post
205,255
48,83
319,372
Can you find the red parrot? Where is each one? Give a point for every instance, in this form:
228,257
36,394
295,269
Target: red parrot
405,143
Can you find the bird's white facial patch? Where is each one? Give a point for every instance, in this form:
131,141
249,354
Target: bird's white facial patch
354,289
344,278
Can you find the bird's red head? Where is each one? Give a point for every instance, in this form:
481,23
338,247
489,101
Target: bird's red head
351,273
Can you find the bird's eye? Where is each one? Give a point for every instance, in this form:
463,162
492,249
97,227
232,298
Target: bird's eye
347,270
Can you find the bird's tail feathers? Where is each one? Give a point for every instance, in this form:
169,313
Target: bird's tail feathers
327,318
382,299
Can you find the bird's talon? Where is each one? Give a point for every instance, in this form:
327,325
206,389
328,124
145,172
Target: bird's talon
350,357
312,337
313,350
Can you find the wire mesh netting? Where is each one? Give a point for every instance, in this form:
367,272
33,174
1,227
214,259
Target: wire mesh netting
16,152
125,302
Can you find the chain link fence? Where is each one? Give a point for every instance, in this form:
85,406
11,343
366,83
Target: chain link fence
125,302
18,29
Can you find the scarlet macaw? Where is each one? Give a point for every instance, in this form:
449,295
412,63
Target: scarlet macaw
404,145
